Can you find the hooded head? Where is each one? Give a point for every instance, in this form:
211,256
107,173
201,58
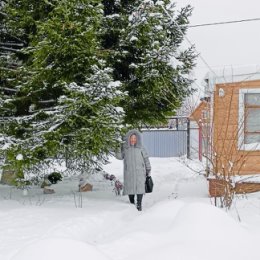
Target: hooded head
133,137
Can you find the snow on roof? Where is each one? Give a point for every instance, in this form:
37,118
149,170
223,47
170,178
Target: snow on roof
230,74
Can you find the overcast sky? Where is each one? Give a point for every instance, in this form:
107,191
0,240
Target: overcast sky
224,45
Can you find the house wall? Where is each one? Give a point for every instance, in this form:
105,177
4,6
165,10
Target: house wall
199,125
226,131
197,114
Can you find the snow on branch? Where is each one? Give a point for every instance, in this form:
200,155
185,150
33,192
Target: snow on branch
9,49
10,44
9,89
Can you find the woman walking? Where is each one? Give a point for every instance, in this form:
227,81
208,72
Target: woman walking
136,167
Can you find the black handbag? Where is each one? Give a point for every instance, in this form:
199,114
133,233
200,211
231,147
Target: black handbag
148,184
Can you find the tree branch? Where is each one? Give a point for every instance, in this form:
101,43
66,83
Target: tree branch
9,44
9,49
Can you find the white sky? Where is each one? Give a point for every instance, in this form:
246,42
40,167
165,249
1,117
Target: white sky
226,45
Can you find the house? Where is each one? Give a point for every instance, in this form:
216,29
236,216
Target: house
232,128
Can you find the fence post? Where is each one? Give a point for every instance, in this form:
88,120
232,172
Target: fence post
188,138
200,140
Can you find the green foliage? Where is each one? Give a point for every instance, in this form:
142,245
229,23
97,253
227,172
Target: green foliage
79,71
21,183
19,22
54,177
66,90
147,57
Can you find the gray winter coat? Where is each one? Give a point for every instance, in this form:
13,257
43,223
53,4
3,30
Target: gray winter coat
136,164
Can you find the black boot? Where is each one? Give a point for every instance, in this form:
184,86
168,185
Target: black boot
132,199
139,202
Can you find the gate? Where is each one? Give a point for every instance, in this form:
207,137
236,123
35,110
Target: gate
170,141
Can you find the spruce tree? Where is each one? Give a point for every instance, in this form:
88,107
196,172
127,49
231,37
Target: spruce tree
66,96
75,63
145,42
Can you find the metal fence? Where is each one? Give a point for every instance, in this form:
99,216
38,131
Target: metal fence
172,141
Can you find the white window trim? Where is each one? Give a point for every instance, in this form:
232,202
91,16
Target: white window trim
241,120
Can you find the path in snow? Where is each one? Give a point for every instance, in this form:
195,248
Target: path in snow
176,221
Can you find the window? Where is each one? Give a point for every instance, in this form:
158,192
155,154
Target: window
252,118
249,119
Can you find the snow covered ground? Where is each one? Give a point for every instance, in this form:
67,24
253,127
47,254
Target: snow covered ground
178,221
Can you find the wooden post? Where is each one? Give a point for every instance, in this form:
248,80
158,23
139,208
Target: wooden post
188,138
200,141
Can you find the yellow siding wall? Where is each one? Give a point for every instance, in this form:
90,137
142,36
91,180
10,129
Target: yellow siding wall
225,131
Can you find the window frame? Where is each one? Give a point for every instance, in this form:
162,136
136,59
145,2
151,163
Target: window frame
242,120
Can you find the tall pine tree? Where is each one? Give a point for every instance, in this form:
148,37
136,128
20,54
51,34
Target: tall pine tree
75,63
144,39
66,95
